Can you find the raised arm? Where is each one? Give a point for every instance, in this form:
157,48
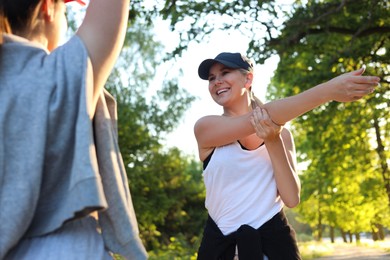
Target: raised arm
344,88
103,31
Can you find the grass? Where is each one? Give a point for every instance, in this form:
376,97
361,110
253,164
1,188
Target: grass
311,250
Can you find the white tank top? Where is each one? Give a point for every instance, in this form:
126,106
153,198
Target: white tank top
240,187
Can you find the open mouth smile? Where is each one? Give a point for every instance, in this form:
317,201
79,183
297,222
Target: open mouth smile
222,90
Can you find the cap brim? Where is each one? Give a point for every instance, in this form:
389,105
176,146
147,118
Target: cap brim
204,67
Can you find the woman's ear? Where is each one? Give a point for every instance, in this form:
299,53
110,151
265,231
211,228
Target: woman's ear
249,79
47,10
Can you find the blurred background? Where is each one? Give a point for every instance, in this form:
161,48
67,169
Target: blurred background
342,148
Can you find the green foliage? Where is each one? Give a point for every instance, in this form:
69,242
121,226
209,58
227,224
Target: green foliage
343,186
169,198
194,20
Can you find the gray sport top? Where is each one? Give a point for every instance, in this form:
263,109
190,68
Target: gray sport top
51,168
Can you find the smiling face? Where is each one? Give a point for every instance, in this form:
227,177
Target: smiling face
229,87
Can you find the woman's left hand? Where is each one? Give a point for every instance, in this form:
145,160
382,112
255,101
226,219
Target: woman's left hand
265,128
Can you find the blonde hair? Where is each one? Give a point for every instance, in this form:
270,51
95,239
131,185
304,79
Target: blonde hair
255,101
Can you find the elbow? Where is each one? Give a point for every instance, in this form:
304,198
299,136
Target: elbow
292,202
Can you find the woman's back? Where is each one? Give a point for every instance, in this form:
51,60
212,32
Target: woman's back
44,158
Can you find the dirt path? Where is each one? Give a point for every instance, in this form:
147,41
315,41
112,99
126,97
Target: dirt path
355,252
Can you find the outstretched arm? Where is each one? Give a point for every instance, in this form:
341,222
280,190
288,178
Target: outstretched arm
103,31
344,88
214,131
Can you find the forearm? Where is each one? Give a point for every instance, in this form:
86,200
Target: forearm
103,31
287,181
284,110
346,87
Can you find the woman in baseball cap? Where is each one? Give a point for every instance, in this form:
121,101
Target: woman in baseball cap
249,160
63,189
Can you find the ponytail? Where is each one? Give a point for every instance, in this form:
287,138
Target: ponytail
255,101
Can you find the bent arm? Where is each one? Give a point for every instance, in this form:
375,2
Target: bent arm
282,153
281,149
103,31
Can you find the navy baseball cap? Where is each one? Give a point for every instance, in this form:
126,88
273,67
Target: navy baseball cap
231,60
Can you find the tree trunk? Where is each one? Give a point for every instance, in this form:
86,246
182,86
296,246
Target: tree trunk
357,236
380,149
375,235
378,234
344,236
381,232
332,234
319,224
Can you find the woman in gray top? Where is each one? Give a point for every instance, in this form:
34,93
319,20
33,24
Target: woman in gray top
63,187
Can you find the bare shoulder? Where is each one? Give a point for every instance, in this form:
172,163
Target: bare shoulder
204,124
202,128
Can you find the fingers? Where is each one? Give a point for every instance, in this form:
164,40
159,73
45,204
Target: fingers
258,116
369,80
358,94
359,71
261,116
258,129
365,85
257,122
263,124
359,86
352,86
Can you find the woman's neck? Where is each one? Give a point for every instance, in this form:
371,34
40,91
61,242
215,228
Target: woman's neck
236,111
